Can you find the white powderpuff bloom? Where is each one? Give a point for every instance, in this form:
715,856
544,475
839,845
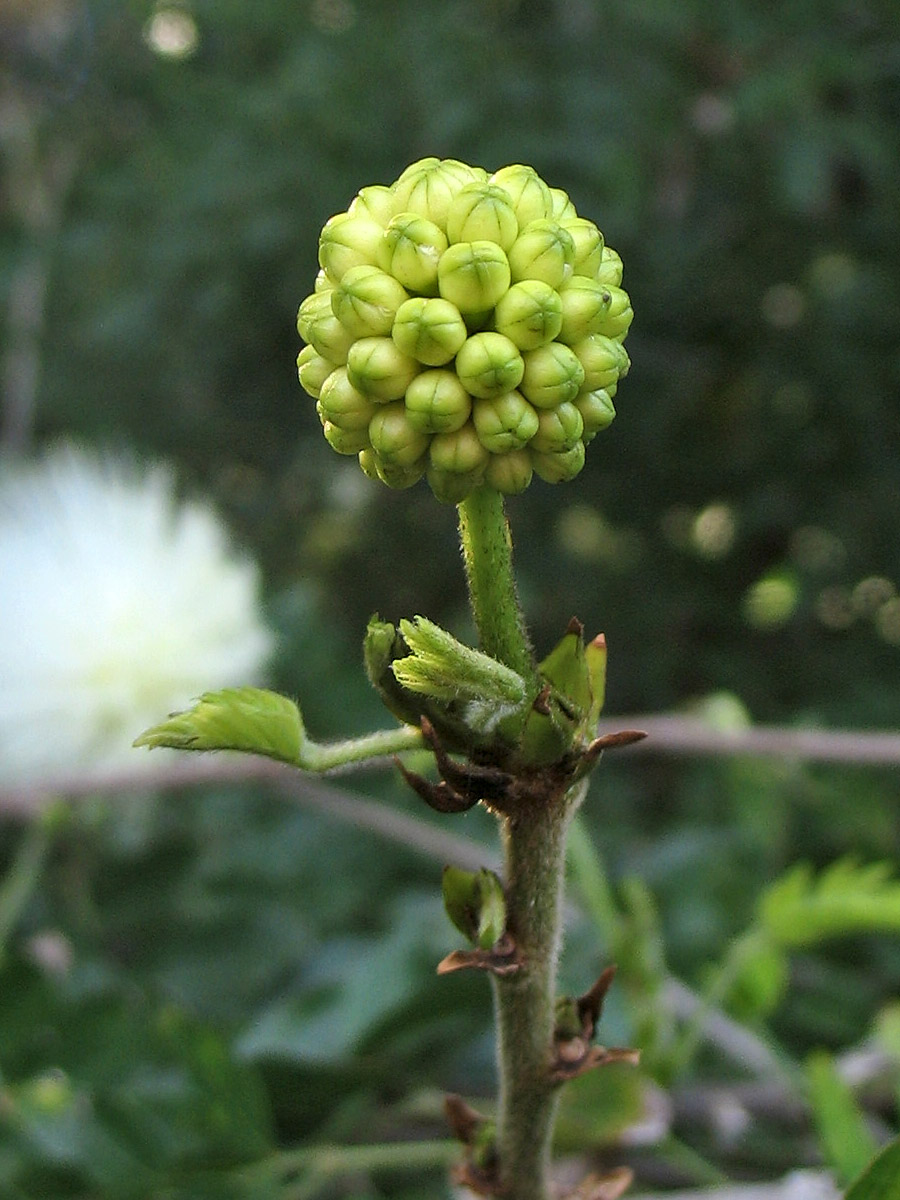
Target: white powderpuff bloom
118,605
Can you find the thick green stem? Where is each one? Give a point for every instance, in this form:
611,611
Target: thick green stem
487,554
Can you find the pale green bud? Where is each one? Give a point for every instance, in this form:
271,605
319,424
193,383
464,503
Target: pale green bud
558,429
379,369
436,402
530,196
473,275
585,304
530,314
394,438
347,242
489,364
375,203
415,168
509,473
588,245
322,282
344,405
313,370
619,315
603,359
318,325
366,301
410,249
560,467
482,212
543,250
552,375
563,209
458,453
431,331
504,423
610,269
430,190
392,474
345,441
597,411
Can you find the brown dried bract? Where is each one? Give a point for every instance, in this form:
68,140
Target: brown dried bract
501,959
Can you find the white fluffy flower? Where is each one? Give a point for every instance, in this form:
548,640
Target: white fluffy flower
118,604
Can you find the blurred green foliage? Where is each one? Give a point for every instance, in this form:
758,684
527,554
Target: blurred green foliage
246,976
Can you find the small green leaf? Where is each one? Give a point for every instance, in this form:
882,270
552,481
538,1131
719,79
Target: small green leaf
846,1141
881,1179
248,719
800,909
566,670
475,904
442,667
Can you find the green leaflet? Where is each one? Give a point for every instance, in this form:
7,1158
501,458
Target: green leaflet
800,908
881,1179
249,719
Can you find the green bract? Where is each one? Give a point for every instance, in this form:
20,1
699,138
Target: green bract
466,327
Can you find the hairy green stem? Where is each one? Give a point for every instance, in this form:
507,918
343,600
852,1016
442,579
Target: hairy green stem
487,554
326,756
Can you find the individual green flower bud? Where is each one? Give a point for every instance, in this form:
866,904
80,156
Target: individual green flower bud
343,404
482,212
366,301
559,467
584,303
563,209
411,247
394,438
375,203
345,441
530,196
505,422
458,453
509,473
312,308
436,402
552,375
597,412
619,315
530,314
392,474
610,269
473,275
430,330
322,282
489,364
558,429
379,369
429,191
543,250
588,245
603,359
313,370
347,242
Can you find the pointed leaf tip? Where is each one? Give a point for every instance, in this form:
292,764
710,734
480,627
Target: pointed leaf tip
248,719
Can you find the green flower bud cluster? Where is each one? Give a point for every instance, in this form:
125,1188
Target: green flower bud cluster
466,327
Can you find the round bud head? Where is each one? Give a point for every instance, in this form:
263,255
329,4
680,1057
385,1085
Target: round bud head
489,364
436,402
610,269
344,405
563,208
505,423
559,467
411,247
619,315
482,212
473,275
543,250
345,441
394,439
347,242
313,370
318,325
430,190
390,473
374,203
558,429
379,369
366,301
430,330
530,314
597,412
509,473
529,194
603,360
588,242
585,304
553,375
